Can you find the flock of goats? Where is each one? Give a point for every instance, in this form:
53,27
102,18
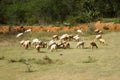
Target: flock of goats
60,42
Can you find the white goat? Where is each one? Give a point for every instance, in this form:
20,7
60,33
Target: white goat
34,41
19,35
102,41
80,31
98,31
22,42
81,43
64,37
26,44
97,37
51,42
55,37
76,38
28,30
53,47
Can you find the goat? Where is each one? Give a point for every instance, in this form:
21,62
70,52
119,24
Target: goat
53,47
37,47
93,44
19,35
81,43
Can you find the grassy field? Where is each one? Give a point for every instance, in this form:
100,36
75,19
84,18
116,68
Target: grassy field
75,64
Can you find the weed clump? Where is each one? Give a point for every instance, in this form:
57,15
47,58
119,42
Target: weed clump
47,60
28,66
12,60
16,60
22,60
89,60
2,58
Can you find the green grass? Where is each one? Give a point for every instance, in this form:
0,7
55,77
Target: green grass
75,64
114,20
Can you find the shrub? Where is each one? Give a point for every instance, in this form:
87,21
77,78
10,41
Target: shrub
91,29
17,60
73,20
117,20
32,20
107,20
47,60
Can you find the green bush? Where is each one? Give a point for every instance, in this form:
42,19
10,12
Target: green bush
117,20
32,21
114,20
91,29
73,20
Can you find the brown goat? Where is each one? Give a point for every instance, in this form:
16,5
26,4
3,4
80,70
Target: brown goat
93,44
37,47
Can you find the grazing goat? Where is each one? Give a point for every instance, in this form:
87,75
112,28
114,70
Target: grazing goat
81,43
60,44
76,38
34,41
22,42
102,41
98,31
70,37
51,43
64,37
93,44
37,41
80,31
53,47
28,30
66,45
26,44
44,44
55,37
19,35
37,47
97,37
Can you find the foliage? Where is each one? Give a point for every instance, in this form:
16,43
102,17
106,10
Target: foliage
91,29
30,12
114,20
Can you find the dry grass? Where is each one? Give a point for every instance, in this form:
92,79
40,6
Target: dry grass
70,65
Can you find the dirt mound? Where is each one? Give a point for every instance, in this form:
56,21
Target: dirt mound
97,25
